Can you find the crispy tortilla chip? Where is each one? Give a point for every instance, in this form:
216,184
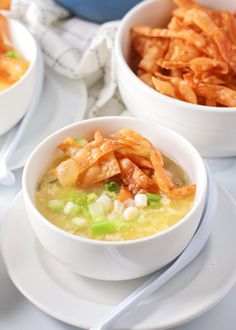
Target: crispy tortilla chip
124,194
161,176
188,35
98,137
92,152
135,179
164,87
229,22
147,78
140,145
68,143
132,137
105,168
183,192
67,172
208,26
221,94
132,154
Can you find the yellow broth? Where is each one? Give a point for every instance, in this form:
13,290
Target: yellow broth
149,221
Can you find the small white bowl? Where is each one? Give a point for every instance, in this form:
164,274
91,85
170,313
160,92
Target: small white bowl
115,260
15,100
210,129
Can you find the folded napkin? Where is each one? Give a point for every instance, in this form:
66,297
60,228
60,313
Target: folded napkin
76,49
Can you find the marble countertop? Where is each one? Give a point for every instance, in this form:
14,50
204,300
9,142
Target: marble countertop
16,313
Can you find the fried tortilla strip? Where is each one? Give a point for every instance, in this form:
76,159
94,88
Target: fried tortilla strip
68,143
135,179
208,26
147,79
182,192
106,167
152,54
133,137
229,22
186,93
140,145
67,172
92,152
197,65
188,35
140,161
98,137
221,94
164,87
161,176
124,194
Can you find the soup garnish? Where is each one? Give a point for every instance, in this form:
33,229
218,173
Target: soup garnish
12,65
114,188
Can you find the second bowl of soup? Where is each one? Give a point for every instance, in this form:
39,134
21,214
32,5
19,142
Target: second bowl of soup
114,199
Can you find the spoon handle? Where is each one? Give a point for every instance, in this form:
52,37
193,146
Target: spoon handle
155,281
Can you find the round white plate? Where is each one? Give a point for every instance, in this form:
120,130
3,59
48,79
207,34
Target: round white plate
63,101
81,302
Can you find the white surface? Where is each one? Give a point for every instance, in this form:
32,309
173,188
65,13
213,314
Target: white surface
63,102
110,260
16,313
82,301
201,125
13,106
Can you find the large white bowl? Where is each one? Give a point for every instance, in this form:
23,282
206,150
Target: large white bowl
210,129
15,100
115,260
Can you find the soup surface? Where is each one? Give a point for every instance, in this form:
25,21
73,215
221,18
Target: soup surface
117,198
12,65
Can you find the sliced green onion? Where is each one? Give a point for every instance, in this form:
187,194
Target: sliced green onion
75,196
102,228
112,187
56,205
120,226
12,54
101,218
85,212
81,142
91,198
153,197
53,181
111,194
154,204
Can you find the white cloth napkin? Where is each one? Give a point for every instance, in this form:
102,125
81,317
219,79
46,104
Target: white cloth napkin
77,49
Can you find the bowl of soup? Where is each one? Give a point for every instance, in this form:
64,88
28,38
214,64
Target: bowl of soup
114,198
17,74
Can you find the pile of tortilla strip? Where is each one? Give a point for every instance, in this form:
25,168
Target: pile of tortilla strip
193,59
125,156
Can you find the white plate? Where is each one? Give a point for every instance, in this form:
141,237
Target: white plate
81,302
63,102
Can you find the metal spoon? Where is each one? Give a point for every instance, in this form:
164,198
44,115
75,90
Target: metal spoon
187,256
15,134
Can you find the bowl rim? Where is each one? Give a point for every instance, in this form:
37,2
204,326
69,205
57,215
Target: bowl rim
196,204
32,63
164,98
